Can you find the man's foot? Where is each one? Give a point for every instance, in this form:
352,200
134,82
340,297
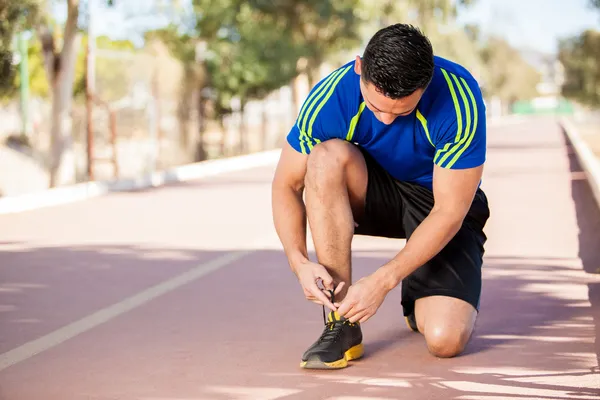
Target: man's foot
340,342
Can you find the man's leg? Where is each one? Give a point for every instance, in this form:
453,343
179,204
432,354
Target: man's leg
443,295
336,186
335,191
446,322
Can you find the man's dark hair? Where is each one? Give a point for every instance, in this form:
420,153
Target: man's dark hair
398,60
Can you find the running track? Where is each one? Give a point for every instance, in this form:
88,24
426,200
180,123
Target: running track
182,293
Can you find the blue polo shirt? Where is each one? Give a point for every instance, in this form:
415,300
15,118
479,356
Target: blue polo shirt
448,127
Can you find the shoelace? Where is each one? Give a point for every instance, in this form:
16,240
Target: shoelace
332,328
332,301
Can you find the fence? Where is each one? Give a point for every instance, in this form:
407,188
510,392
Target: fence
155,118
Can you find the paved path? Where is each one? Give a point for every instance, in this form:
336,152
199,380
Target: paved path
182,293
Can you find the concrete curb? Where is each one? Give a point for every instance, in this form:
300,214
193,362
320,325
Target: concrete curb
87,190
589,162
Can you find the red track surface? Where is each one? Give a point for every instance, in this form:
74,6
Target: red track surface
237,331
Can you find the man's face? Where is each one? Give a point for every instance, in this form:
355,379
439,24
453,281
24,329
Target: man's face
385,109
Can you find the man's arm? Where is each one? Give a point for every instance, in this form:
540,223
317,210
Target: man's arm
453,190
289,212
289,217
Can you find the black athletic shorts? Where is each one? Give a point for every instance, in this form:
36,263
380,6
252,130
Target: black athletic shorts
394,209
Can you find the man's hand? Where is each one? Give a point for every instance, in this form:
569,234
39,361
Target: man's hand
310,274
363,299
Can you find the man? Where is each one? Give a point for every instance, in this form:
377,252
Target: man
391,144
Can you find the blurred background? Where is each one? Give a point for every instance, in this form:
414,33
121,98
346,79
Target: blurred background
108,89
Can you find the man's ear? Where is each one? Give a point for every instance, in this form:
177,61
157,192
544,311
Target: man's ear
357,65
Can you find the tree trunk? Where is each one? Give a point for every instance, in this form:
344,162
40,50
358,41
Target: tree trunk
62,165
186,98
295,101
223,144
200,150
242,145
310,75
264,126
60,70
184,124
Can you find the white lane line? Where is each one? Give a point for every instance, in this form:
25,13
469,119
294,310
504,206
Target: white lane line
67,332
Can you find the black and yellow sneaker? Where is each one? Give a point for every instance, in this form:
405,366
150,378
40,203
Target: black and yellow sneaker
340,342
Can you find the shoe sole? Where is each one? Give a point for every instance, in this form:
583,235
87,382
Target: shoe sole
410,325
354,353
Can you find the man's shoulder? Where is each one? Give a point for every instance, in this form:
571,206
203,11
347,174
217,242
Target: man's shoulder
342,78
451,87
337,87
452,67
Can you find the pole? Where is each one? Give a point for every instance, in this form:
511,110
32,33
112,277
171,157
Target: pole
89,91
24,86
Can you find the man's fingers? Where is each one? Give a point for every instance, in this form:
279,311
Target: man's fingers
327,280
321,296
338,289
352,313
359,316
365,318
346,305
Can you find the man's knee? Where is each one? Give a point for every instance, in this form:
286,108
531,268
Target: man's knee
327,162
446,342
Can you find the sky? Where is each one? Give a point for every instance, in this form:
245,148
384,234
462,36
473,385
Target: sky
526,24
533,24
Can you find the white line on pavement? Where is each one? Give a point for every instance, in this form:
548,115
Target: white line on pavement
67,332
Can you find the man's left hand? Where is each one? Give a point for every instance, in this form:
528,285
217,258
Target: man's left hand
363,299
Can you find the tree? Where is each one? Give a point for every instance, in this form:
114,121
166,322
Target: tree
38,85
579,56
254,47
436,18
318,28
506,74
60,72
243,58
183,48
60,67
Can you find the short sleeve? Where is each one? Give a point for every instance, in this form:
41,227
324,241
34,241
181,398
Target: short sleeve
460,137
323,114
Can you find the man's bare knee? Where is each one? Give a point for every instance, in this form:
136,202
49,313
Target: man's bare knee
326,164
446,342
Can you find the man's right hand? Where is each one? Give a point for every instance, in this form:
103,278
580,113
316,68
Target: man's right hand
309,274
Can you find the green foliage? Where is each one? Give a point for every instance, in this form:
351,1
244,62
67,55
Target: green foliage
253,47
110,70
249,61
579,56
506,74
38,83
319,28
15,17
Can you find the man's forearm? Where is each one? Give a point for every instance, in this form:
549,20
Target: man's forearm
430,237
289,218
